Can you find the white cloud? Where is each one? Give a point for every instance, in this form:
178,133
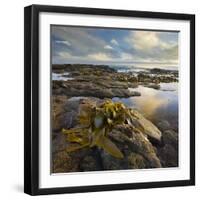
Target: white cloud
113,41
63,42
143,40
108,47
126,56
99,57
147,40
93,57
82,40
64,54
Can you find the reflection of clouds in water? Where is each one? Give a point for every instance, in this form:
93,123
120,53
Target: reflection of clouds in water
150,105
155,104
169,86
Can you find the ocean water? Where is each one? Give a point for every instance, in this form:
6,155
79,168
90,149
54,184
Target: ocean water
138,67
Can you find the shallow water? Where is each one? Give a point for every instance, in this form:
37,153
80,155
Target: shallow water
61,77
138,67
155,104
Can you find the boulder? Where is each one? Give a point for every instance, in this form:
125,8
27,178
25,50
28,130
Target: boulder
164,125
89,163
170,137
63,161
168,156
135,93
64,113
136,161
139,152
153,86
168,153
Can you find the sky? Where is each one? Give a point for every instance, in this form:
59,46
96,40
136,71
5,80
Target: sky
109,45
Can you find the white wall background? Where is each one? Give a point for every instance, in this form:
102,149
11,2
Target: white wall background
11,100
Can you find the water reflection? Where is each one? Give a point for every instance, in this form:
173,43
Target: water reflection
156,104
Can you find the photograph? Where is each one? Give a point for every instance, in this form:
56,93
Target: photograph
114,99
109,99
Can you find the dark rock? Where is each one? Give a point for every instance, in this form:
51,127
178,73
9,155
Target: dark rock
168,153
164,125
62,162
170,137
154,86
64,113
168,156
130,143
142,77
135,93
82,67
136,161
68,162
163,71
92,89
111,163
89,163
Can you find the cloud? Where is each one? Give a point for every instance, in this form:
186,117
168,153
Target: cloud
108,47
64,54
113,41
92,57
83,41
99,57
152,46
143,40
63,42
91,45
127,56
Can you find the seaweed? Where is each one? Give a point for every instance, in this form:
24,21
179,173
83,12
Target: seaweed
95,122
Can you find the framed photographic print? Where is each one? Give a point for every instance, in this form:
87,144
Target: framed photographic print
109,100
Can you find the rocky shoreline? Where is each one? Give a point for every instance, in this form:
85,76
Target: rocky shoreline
144,144
104,82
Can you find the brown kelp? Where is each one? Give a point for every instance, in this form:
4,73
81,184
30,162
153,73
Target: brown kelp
95,122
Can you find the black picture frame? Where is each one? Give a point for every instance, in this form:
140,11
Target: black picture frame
31,98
